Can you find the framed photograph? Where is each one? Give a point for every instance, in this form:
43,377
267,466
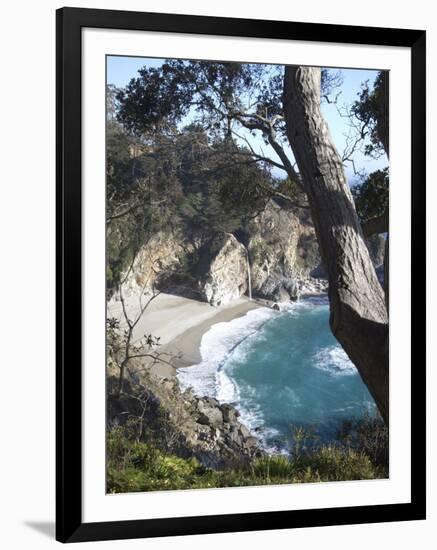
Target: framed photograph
240,252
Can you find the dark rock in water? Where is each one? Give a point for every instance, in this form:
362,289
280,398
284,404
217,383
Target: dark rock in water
276,307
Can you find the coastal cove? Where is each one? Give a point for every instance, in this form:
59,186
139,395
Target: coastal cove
280,369
226,363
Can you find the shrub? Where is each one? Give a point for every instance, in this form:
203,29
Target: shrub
135,466
369,436
332,463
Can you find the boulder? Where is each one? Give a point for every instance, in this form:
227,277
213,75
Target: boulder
251,442
222,270
278,288
244,431
230,414
234,436
203,419
209,415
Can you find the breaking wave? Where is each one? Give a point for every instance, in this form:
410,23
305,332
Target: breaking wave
280,369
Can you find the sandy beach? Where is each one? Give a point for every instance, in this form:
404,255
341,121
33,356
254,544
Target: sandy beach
179,322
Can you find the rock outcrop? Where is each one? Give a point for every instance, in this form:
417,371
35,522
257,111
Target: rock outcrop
181,422
222,270
283,249
279,245
163,253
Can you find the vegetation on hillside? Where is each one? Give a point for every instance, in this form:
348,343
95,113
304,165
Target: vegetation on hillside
183,182
179,160
135,465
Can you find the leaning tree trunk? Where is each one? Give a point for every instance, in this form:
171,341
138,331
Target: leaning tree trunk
358,316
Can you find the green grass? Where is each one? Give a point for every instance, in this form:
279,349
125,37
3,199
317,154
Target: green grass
139,466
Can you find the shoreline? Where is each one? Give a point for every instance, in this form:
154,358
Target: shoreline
186,346
180,323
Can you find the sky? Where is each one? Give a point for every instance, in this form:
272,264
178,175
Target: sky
121,69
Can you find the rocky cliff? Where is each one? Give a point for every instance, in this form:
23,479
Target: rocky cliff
283,250
221,274
275,256
273,252
180,422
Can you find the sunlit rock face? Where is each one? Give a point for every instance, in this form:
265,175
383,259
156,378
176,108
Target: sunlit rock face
271,255
226,277
283,249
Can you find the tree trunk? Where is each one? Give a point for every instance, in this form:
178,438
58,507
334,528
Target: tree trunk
358,316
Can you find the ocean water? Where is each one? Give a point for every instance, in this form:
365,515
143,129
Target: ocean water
281,370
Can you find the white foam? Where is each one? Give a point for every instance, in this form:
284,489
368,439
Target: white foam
226,389
334,361
305,304
207,378
213,375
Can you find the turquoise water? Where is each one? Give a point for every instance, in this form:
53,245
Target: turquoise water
282,370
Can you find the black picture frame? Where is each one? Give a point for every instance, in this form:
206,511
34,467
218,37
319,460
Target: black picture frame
69,525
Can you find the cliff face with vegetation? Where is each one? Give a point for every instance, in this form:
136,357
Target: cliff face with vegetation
193,217
196,218
162,438
283,251
153,406
272,253
275,253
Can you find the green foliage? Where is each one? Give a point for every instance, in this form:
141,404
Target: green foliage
181,183
217,93
332,463
369,436
160,97
134,466
372,110
139,466
371,196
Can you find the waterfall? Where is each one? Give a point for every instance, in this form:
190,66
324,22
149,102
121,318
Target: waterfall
249,277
